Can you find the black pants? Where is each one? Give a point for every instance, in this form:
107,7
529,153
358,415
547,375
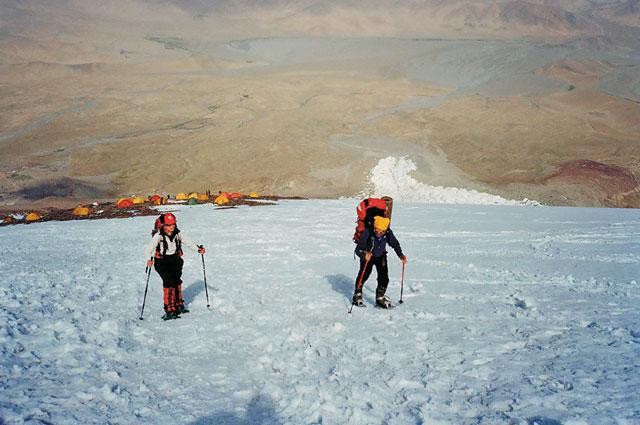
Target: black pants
383,274
170,270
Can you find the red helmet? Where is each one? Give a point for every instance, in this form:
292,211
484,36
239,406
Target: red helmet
168,219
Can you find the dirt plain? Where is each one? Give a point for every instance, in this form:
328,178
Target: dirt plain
109,109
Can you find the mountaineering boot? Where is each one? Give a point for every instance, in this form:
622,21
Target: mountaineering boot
383,302
182,310
357,299
171,315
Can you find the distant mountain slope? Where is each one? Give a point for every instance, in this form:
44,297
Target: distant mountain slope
404,17
330,18
626,12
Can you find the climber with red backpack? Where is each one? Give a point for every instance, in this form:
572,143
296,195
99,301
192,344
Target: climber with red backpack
372,236
164,253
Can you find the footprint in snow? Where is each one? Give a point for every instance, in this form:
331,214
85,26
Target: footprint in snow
520,303
539,420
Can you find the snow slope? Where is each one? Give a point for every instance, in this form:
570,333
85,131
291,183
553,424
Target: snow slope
512,316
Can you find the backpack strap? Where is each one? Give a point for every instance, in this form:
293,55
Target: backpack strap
161,248
178,242
161,252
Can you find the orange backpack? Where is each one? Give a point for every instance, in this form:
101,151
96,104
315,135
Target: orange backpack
369,208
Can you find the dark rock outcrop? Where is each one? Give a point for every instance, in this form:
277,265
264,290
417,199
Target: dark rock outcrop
608,185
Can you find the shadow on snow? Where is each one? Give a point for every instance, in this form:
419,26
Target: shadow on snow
191,292
260,411
342,284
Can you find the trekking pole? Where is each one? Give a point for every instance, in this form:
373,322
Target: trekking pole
144,300
401,284
366,263
204,273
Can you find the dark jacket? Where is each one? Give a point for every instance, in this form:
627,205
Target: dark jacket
369,242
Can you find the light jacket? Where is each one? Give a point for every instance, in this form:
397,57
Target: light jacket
156,242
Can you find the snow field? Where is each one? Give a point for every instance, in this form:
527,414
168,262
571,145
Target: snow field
511,316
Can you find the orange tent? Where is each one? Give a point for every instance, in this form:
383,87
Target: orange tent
235,195
202,197
154,198
124,203
7,220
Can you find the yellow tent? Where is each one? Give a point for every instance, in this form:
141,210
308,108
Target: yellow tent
80,211
202,197
33,217
193,195
253,195
139,200
181,196
221,200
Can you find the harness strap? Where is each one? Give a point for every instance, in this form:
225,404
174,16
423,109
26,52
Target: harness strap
161,253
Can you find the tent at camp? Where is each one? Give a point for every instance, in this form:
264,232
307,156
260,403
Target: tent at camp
181,196
80,211
193,195
156,200
192,201
139,200
221,200
253,195
232,195
34,216
124,203
203,197
7,220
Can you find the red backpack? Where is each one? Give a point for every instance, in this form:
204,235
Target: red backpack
369,208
